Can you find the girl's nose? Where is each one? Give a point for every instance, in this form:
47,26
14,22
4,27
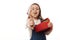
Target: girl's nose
35,10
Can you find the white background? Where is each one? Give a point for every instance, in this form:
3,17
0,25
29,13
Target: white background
13,16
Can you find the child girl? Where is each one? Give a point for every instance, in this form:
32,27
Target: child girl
34,18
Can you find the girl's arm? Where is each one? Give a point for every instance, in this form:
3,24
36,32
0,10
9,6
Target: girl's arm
30,27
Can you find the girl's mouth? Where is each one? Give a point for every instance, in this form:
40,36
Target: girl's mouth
35,13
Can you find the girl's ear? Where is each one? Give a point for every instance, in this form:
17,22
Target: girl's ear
27,13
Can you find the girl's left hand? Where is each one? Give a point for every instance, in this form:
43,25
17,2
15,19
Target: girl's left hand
49,31
50,24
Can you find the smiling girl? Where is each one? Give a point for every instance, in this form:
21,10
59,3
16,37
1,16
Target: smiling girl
34,18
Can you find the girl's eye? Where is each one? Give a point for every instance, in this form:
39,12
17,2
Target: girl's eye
37,9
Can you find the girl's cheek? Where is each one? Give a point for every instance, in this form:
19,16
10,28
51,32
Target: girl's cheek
31,11
38,11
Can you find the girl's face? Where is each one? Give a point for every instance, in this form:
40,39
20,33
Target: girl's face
34,11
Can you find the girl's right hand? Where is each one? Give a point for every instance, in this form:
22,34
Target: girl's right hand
31,23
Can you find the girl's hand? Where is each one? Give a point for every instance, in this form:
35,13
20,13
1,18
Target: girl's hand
31,23
49,30
50,24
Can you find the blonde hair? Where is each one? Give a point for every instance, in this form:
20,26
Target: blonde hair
39,16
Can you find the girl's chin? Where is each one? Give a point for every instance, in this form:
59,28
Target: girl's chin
35,16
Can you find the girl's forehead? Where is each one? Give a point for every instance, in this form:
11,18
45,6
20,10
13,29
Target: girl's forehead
34,6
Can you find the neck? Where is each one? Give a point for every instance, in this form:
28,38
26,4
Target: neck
35,18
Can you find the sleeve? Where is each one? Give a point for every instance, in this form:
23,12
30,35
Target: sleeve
29,28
